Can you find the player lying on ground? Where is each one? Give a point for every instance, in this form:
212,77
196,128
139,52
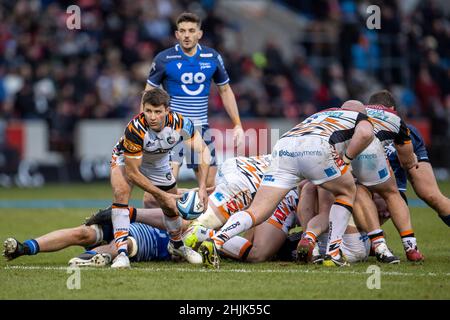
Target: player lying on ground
142,158
145,243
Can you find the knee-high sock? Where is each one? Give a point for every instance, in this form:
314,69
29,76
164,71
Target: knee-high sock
173,227
340,214
238,222
121,225
237,247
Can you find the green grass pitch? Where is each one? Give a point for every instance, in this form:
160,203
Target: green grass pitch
45,276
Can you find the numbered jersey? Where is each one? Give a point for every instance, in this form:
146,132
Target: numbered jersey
388,126
141,141
188,79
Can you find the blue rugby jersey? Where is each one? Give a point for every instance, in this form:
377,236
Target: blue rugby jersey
419,150
188,79
152,242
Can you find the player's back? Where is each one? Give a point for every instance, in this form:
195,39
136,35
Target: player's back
151,242
388,126
188,79
334,125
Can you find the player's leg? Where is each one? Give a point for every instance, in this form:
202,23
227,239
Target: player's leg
120,215
307,249
344,190
400,216
50,242
307,206
267,240
424,183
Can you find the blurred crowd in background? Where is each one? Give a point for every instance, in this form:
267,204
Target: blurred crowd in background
48,72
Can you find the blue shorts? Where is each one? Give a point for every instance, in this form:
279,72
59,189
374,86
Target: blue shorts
180,150
420,151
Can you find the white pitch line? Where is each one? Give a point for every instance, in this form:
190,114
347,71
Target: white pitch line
150,269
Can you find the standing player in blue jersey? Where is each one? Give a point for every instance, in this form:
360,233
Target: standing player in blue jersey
186,72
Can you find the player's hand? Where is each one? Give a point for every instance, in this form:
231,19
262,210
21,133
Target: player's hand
203,196
168,203
238,135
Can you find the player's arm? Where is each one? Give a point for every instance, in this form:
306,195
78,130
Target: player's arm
230,105
405,149
197,144
362,137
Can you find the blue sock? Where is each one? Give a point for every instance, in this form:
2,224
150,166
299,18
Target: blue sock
93,252
446,219
33,247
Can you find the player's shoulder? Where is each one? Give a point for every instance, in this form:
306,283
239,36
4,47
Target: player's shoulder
138,120
208,52
168,54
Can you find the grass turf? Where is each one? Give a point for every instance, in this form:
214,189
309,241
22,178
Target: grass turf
44,276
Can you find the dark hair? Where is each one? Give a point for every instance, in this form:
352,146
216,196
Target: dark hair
189,17
384,98
155,97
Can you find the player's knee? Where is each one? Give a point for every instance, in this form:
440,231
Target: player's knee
82,234
256,256
150,202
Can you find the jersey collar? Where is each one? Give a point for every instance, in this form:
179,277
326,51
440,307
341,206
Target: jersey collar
178,49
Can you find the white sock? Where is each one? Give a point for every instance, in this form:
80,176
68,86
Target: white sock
237,247
237,223
339,217
121,226
173,227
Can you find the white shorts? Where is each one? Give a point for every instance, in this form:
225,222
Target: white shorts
371,166
298,158
355,246
159,176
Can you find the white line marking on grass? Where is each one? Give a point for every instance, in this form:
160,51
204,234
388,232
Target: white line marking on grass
151,269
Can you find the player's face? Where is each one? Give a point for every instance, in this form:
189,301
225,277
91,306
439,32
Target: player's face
188,35
155,116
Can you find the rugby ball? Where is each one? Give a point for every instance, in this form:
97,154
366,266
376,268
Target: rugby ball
190,206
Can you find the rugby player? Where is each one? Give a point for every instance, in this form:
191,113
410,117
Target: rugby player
308,151
142,158
186,71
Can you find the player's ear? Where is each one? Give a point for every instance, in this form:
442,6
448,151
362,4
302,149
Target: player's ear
200,34
177,35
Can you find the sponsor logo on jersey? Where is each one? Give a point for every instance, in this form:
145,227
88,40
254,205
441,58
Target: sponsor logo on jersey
206,55
367,156
170,140
150,143
330,171
173,57
219,196
295,154
179,65
189,78
205,65
269,178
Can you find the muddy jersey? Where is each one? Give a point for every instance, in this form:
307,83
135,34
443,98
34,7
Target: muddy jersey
388,126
